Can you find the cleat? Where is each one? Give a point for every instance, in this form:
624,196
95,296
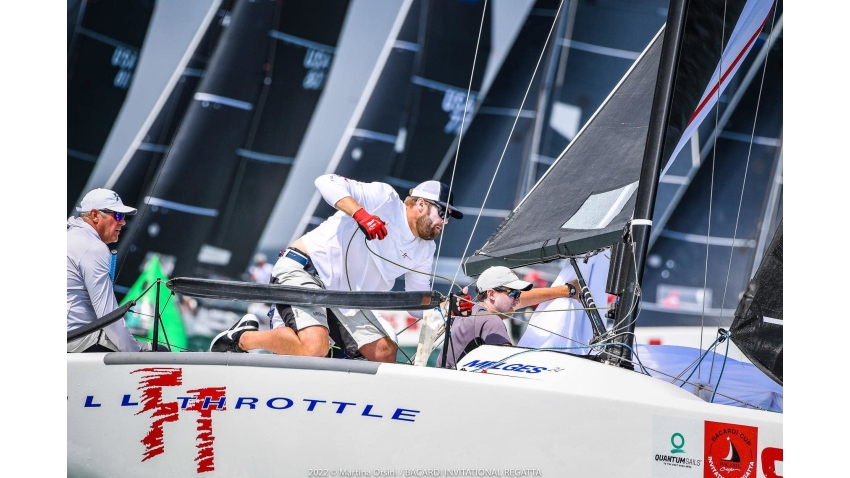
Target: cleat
228,340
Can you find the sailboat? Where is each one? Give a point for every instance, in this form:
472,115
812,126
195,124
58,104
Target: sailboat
242,132
530,412
104,44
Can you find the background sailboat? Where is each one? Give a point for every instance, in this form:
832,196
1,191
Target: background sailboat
584,62
638,407
226,133
103,50
139,173
419,122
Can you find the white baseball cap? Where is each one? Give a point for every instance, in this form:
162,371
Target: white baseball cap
500,276
439,193
104,199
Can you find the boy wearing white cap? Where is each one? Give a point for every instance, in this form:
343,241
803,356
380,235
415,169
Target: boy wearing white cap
374,238
500,292
90,294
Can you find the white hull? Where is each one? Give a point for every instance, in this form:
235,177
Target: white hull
556,415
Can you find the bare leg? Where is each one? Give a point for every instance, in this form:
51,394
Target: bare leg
311,341
381,350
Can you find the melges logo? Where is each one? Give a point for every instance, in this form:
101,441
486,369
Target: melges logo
485,365
730,450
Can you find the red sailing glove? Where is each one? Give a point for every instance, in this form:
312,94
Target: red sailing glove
463,305
371,225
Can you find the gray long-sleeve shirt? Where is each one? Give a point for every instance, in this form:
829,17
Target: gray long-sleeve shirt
90,293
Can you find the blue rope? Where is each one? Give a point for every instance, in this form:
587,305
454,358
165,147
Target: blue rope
699,361
112,262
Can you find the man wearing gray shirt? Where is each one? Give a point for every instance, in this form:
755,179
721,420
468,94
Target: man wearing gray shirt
500,292
90,293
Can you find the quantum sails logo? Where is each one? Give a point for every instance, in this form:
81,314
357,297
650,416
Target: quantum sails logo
675,458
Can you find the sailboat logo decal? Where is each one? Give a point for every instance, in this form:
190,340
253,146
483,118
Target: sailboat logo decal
733,453
730,450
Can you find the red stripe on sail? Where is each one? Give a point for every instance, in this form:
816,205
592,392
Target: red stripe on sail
729,70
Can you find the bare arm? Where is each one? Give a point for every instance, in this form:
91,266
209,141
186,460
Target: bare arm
535,296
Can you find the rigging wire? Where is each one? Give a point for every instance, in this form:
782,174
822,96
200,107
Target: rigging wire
459,138
711,187
746,168
507,143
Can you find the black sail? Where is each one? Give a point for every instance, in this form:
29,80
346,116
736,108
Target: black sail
602,164
575,75
133,179
370,149
757,328
435,106
306,38
103,53
416,109
237,115
499,120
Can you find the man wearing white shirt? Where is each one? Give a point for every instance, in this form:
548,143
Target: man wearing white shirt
337,256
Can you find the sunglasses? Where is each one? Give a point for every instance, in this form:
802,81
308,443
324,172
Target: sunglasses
512,293
119,216
441,211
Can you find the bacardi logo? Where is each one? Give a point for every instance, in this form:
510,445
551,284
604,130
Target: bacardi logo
730,450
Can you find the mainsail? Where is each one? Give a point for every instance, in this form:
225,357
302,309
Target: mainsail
583,62
435,107
131,179
102,55
757,328
234,147
586,198
405,130
367,150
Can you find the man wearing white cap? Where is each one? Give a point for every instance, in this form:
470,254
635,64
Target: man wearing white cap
500,292
90,293
374,238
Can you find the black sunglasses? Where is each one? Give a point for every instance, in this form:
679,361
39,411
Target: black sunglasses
441,211
512,293
119,216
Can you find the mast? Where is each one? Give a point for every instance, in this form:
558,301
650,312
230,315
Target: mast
639,228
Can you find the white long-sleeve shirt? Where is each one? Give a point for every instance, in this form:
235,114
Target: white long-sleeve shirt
356,268
90,294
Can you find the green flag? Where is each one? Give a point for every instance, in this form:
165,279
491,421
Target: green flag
142,315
